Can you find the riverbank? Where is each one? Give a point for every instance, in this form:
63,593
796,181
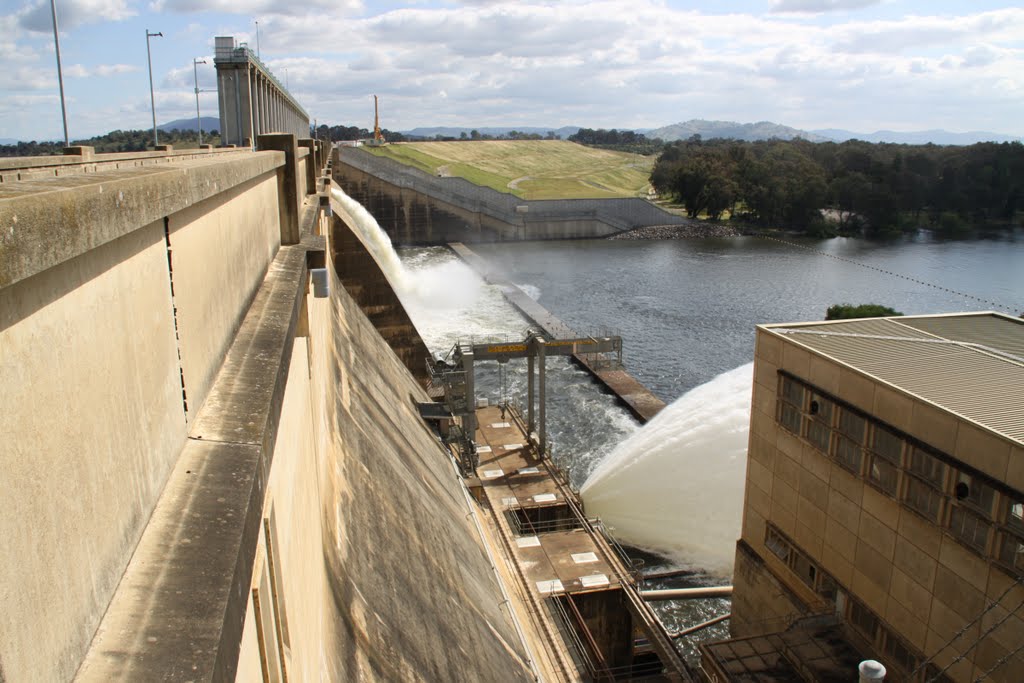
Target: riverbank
693,229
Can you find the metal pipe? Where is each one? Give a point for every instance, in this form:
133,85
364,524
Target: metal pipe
687,593
699,627
60,73
152,99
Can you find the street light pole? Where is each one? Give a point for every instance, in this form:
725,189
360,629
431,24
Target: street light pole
60,74
257,39
152,100
195,73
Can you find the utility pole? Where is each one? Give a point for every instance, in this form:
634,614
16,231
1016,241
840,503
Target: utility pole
195,74
60,74
152,100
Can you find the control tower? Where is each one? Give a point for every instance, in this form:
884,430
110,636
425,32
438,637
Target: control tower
252,101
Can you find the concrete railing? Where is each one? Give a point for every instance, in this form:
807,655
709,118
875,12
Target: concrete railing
125,281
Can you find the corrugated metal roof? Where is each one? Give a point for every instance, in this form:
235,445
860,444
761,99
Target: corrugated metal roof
972,365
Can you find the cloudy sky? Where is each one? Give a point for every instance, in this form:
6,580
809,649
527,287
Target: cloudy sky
862,65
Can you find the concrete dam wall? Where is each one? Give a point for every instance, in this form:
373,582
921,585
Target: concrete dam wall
211,472
416,208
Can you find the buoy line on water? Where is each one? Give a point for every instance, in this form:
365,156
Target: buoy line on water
995,305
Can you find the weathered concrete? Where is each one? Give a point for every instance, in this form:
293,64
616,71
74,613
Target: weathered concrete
219,250
289,189
80,406
46,222
181,605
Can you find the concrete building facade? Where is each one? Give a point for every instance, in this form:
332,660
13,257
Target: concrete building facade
884,507
252,100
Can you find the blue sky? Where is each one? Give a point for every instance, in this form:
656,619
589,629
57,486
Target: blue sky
862,65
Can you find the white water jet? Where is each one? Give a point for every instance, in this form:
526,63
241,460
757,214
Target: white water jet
431,295
675,486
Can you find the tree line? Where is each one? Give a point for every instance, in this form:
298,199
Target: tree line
850,188
114,141
618,140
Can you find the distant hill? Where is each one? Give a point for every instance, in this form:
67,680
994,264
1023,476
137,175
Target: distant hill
209,123
564,131
762,130
920,137
8,141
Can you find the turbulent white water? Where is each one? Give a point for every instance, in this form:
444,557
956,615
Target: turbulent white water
676,485
435,296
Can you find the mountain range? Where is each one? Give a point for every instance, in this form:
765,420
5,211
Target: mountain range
209,123
454,132
762,130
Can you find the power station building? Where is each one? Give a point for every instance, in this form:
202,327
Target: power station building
884,508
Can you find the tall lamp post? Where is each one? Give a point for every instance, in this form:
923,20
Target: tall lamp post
60,74
195,73
152,100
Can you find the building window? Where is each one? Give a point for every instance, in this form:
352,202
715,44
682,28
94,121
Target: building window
885,449
792,404
1011,552
862,619
927,467
799,562
969,527
886,444
819,421
793,392
1014,514
883,475
789,417
924,498
850,440
900,654
777,544
975,492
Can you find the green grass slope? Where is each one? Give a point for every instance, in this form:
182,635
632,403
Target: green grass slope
531,169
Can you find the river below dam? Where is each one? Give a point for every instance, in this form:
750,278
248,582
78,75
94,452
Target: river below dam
686,310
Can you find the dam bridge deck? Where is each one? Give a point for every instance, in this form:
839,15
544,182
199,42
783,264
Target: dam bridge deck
573,579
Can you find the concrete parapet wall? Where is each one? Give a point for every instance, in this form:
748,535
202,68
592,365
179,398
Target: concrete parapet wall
95,341
36,168
417,208
93,423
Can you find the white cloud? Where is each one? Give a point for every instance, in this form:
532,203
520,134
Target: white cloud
99,70
819,6
72,13
258,7
921,32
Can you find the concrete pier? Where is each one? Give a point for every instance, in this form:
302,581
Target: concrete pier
635,396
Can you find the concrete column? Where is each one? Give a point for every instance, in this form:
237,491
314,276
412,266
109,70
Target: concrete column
257,125
530,426
288,190
543,397
264,111
469,421
308,143
250,128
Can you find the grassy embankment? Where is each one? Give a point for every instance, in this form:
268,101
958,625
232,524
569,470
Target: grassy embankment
530,169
